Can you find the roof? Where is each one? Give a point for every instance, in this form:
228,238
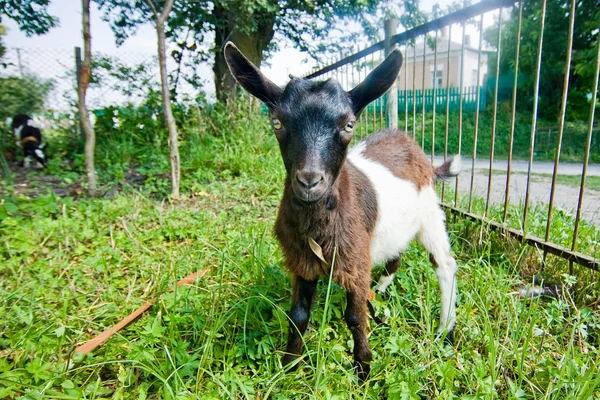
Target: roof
442,49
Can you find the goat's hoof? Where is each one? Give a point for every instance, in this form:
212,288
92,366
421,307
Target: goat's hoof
363,369
291,362
448,337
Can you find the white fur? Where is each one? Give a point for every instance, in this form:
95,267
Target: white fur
397,208
33,124
402,213
456,165
434,238
17,132
39,153
384,282
27,162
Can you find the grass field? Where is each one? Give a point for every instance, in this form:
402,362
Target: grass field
71,268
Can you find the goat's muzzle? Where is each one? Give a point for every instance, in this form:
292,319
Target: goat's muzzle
309,185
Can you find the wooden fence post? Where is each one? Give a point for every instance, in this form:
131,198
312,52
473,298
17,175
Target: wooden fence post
391,97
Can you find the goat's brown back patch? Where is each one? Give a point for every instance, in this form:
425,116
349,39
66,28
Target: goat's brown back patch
401,155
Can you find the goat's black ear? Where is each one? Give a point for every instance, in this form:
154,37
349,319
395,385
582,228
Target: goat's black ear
250,77
377,82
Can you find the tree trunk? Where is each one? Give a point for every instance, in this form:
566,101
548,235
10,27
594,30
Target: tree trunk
166,97
84,79
252,43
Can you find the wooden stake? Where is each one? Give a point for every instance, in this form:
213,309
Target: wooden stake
92,344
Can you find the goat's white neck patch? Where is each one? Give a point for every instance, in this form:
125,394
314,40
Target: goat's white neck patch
40,154
398,207
32,123
17,131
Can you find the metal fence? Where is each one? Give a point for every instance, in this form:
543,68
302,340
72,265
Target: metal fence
527,198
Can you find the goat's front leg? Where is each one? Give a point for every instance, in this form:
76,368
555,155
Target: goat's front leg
356,318
303,293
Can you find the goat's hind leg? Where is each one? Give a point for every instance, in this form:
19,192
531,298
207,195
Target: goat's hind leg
388,275
434,238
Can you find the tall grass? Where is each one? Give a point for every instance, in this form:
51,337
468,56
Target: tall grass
71,268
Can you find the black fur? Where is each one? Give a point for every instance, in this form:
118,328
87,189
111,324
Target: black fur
313,116
28,132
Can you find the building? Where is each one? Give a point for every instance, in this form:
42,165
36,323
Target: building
412,68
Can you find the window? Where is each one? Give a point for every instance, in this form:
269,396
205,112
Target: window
436,78
474,80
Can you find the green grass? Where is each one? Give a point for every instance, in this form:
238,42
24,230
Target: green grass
72,268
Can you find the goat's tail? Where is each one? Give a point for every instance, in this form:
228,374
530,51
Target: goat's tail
449,169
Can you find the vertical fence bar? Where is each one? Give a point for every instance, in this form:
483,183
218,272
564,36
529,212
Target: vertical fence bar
381,98
360,118
405,93
435,53
423,96
477,100
349,84
460,103
561,127
374,102
514,114
586,155
494,116
414,90
447,103
365,115
534,114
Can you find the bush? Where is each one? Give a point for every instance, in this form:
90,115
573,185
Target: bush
22,95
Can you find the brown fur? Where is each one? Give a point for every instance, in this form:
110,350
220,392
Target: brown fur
345,222
407,160
29,139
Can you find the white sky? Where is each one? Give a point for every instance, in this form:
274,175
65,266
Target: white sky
68,35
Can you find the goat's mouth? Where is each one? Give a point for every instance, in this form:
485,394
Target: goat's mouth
309,197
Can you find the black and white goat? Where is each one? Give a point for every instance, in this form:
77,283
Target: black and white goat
368,202
29,136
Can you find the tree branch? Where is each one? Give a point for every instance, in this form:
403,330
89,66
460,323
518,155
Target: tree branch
166,10
151,5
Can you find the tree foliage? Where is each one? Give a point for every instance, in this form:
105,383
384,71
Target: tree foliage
2,47
201,28
554,53
31,16
22,95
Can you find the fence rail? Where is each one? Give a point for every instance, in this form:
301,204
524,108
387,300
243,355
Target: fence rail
521,202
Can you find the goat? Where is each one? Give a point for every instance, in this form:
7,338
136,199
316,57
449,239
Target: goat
29,136
368,203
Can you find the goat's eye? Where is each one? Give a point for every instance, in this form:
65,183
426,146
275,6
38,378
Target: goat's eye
349,127
276,123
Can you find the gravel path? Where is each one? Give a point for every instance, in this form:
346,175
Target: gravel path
565,196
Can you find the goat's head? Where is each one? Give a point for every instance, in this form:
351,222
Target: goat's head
313,120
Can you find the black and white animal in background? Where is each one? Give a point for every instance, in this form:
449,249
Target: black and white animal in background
367,202
28,136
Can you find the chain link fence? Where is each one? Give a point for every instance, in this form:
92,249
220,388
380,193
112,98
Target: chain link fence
43,81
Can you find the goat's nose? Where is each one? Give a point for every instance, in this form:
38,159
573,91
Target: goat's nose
309,179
